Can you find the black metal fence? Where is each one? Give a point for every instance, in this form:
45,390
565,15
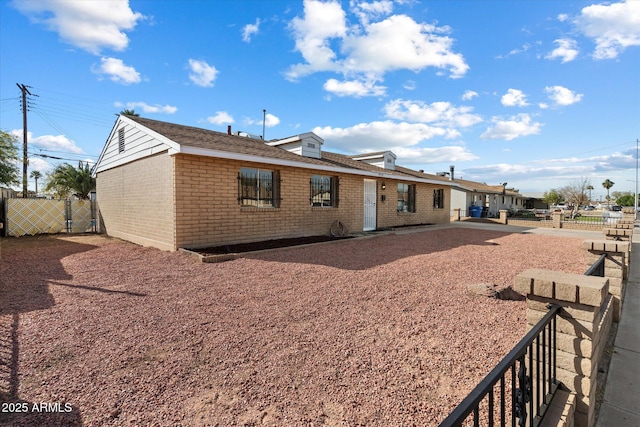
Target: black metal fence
525,379
518,391
597,269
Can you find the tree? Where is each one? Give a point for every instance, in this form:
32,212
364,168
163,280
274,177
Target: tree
590,188
576,194
627,199
36,175
127,112
608,184
67,180
9,172
552,197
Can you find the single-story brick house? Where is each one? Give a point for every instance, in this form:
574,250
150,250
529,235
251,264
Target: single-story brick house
170,186
492,198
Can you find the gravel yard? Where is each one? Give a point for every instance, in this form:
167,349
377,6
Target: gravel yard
379,331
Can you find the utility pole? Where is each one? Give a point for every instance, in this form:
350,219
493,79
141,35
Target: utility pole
635,207
25,157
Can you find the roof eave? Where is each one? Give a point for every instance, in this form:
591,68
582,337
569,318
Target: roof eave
292,163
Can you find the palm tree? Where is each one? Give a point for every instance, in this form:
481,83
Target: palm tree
590,187
36,175
127,112
67,180
608,184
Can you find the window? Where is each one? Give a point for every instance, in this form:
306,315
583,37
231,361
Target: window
324,191
258,188
120,140
406,197
438,199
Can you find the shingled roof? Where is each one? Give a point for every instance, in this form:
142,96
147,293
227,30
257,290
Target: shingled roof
207,142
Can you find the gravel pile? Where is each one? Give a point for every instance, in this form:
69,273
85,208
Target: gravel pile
379,331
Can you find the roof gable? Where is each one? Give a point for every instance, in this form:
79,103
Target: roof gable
128,142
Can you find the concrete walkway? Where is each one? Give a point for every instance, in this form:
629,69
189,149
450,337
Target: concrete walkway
621,405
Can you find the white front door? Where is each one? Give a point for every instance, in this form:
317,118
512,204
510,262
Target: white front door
370,186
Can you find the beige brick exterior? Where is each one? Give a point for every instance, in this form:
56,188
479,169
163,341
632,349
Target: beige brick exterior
136,201
192,201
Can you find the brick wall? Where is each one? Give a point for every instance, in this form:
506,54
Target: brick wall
207,211
144,201
388,215
136,201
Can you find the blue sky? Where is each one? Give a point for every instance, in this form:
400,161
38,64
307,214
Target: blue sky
538,94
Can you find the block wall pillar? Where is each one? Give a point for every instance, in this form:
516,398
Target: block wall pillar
581,329
503,216
616,267
556,218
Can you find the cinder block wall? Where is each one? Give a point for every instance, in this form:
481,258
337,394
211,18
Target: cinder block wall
207,212
136,201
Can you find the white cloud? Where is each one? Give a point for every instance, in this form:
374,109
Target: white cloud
515,127
469,94
399,42
146,108
366,11
563,17
202,74
50,142
221,118
421,155
249,30
41,165
354,88
613,27
117,71
514,98
380,135
562,96
409,85
525,47
269,121
439,113
566,50
91,26
321,22
368,50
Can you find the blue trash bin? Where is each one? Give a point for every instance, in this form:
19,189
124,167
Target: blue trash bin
476,211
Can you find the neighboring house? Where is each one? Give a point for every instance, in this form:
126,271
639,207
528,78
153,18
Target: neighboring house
171,186
492,198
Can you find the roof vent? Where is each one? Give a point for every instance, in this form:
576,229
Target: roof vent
249,135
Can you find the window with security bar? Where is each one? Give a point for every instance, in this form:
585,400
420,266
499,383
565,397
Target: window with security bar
258,188
406,197
438,199
324,191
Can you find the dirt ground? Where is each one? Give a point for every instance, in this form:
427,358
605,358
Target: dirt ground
378,331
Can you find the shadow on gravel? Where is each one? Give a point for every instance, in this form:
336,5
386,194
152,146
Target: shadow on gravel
26,264
361,254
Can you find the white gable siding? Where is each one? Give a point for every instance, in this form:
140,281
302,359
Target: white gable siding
307,145
138,143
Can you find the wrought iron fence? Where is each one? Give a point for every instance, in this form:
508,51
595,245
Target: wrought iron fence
525,381
597,268
531,388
